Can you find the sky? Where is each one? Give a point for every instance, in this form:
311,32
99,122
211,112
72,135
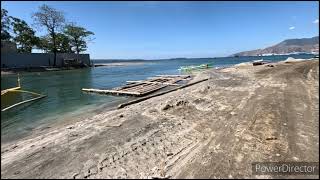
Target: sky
159,30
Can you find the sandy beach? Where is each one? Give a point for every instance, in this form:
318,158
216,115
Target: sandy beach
215,129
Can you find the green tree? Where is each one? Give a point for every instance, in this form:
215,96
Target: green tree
52,20
78,37
5,25
62,44
24,35
45,43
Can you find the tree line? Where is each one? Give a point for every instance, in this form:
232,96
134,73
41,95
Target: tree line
61,37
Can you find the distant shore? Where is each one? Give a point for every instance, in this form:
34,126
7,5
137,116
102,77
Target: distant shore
242,114
7,72
118,64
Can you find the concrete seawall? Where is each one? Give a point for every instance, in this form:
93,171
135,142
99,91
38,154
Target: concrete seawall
24,60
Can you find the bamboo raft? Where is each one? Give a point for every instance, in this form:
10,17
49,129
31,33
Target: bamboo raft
158,94
144,87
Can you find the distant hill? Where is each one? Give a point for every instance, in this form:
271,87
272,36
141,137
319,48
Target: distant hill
287,46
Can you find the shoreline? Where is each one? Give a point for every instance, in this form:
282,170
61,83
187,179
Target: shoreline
10,71
190,126
67,119
112,64
113,106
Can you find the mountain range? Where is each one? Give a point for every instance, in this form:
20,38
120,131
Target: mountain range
306,45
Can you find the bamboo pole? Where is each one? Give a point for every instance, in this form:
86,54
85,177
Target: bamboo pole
19,103
11,89
19,80
173,75
169,78
148,82
27,92
109,91
7,90
159,94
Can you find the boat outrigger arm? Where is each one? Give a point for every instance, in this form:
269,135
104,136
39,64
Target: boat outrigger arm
3,92
17,89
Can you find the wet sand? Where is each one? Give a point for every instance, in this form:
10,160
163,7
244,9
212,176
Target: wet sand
214,129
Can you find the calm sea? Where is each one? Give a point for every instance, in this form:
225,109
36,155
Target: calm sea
65,100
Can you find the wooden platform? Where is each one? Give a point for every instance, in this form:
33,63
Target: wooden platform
141,88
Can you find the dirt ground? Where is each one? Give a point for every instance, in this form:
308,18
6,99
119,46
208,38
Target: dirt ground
214,129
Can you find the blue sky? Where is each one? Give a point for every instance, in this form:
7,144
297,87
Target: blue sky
152,30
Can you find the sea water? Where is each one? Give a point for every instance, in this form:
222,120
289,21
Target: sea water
66,101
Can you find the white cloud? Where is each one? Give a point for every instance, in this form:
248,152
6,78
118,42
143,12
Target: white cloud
316,21
292,28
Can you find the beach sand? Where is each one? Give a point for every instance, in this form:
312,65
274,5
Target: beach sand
215,129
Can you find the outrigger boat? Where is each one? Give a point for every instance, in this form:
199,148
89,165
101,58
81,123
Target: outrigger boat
190,68
9,95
